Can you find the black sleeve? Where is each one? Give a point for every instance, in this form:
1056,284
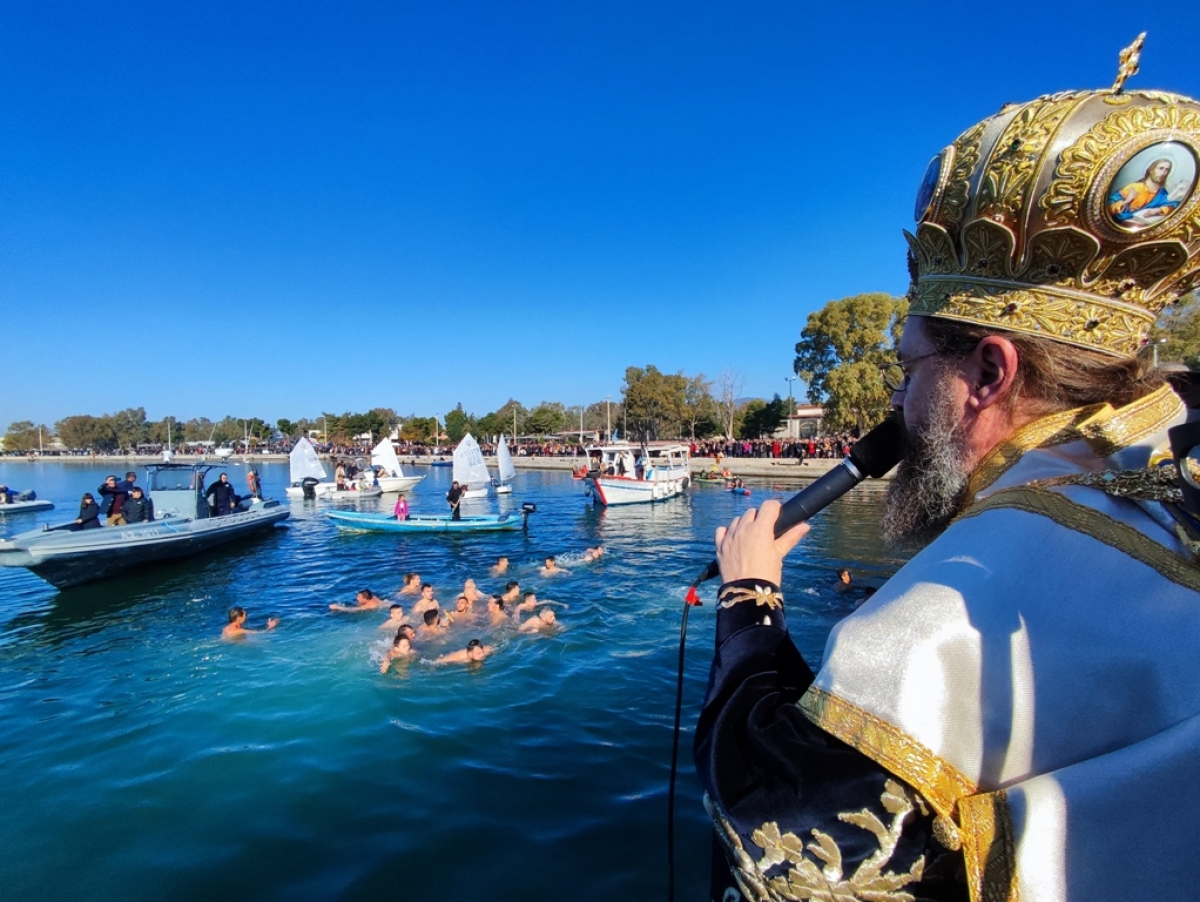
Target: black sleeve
764,766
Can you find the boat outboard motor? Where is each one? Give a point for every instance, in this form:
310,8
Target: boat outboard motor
308,486
527,508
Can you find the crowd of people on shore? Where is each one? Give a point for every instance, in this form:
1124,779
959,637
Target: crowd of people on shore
816,447
428,626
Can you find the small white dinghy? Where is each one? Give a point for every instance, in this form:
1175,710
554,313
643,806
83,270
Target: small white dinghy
505,471
305,464
469,468
384,455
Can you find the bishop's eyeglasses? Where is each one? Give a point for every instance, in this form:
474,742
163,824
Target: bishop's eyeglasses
896,375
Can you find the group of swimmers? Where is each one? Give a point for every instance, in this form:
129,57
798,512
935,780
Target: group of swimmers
503,610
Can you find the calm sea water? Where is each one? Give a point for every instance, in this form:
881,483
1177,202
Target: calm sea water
143,758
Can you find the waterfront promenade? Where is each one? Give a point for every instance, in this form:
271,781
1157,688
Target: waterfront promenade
786,469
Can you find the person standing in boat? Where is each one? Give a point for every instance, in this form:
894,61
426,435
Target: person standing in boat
114,494
138,508
221,496
454,496
401,510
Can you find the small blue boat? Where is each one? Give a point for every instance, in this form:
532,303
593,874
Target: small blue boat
368,522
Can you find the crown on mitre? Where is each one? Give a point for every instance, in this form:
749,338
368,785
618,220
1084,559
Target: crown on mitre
1075,216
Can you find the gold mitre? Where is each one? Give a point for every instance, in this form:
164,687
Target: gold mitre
1075,216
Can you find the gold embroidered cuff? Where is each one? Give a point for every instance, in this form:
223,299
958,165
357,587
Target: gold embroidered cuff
763,594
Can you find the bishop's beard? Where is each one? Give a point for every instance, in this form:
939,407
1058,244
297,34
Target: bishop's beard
930,483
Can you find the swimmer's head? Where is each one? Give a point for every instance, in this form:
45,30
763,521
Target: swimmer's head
402,645
427,590
396,610
546,615
411,578
365,595
237,613
431,617
844,576
530,596
512,586
495,604
475,650
461,604
406,631
550,561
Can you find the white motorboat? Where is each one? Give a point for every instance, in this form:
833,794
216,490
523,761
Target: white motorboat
469,468
622,474
393,480
65,556
304,464
505,471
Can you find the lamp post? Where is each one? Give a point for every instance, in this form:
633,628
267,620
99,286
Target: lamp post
1161,341
791,380
581,424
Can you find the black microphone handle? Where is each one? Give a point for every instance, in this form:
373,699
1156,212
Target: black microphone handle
807,503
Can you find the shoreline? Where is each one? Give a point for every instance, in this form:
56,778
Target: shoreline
789,469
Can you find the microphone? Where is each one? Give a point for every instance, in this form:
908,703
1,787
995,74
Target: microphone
872,455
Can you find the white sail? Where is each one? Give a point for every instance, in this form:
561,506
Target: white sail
384,455
507,472
469,468
305,463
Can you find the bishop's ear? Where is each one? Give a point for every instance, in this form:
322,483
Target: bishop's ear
994,370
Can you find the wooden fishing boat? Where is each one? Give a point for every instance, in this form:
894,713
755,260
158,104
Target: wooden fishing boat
374,522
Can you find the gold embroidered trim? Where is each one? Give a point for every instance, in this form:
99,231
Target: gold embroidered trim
1158,484
1107,431
822,877
938,781
763,596
1101,527
989,848
1056,429
1113,431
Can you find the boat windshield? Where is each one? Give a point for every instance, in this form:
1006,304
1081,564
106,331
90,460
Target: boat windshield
168,480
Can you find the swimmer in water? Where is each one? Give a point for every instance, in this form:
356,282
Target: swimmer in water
401,648
236,628
551,568
501,566
461,612
432,623
528,603
471,593
541,622
426,602
395,618
593,554
512,591
474,652
496,611
412,584
366,600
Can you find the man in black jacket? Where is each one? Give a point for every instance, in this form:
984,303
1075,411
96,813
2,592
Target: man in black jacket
221,496
454,496
138,508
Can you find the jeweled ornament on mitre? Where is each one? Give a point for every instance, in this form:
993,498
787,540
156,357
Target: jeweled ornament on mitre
1075,216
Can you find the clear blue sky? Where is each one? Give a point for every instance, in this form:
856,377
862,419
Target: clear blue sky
274,209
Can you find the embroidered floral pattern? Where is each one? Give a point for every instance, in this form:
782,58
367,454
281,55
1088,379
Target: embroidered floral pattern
763,596
816,870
